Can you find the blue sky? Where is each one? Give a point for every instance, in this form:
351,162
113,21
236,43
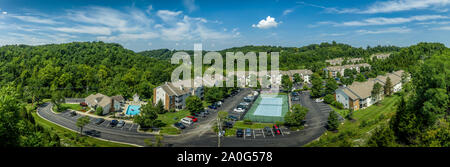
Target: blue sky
178,24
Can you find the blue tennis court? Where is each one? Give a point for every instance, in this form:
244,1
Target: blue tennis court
269,106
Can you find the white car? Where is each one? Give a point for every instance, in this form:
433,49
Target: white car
318,100
187,121
239,110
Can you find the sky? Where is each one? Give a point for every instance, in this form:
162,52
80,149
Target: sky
179,24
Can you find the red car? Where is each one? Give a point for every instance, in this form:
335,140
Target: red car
193,118
276,130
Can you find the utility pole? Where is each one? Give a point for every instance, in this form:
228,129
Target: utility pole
218,127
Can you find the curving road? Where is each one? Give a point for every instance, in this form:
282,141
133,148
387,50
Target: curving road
315,123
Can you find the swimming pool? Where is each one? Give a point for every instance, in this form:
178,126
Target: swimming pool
133,110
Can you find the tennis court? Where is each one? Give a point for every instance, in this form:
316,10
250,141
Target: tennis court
268,108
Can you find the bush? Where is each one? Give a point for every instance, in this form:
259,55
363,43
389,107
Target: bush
279,123
99,111
172,110
329,99
248,122
338,105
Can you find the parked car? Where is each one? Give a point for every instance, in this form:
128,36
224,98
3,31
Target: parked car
179,125
318,100
294,94
248,132
239,133
234,118
187,121
218,104
121,124
276,130
227,125
212,106
114,123
193,118
267,131
239,109
295,98
244,104
73,113
92,133
246,99
99,121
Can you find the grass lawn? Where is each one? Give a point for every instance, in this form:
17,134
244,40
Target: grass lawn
241,125
72,139
357,132
342,112
169,119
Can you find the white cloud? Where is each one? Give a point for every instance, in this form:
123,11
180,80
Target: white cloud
167,15
390,21
85,30
287,11
190,5
390,6
446,28
387,30
4,12
269,22
34,19
404,5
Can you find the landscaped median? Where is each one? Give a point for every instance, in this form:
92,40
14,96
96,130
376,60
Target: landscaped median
356,132
169,118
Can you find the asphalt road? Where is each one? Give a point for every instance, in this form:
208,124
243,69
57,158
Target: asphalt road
315,121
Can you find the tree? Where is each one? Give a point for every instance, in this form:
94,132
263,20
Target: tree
360,78
213,94
376,91
286,83
329,98
148,117
388,87
194,104
99,111
331,86
382,137
81,122
297,78
57,99
333,121
316,90
160,107
10,107
296,116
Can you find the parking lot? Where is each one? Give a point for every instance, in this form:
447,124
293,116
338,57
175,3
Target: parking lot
130,127
261,134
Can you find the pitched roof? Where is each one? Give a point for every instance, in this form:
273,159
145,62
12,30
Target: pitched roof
118,98
363,90
98,99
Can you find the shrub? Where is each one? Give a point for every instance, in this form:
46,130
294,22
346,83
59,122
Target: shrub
99,111
338,105
248,122
329,99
